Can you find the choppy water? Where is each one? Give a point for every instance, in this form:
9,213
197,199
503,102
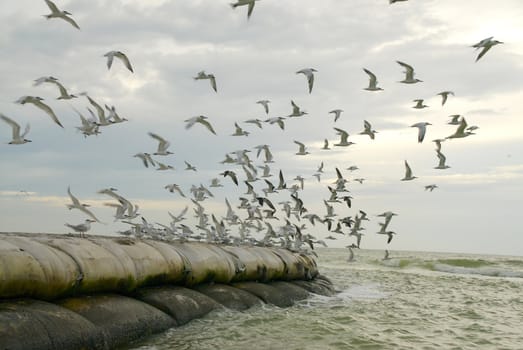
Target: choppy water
412,301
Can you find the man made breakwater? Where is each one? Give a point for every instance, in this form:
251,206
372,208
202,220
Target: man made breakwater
102,292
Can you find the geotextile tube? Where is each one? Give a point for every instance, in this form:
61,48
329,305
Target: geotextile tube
66,292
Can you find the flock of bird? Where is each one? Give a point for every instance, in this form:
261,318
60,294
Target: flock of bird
256,218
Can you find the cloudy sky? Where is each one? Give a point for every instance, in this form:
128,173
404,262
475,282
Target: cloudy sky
476,207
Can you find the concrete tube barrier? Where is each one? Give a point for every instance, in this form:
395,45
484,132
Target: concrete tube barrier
102,292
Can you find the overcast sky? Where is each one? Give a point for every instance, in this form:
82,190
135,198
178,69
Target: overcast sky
476,207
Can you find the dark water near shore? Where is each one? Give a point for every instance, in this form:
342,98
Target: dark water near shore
414,300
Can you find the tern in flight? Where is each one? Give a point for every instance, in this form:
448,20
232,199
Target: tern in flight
430,188
202,75
373,82
408,173
309,73
444,96
80,206
265,104
337,113
120,55
162,145
367,130
57,13
485,44
419,104
17,138
422,129
37,101
201,120
409,74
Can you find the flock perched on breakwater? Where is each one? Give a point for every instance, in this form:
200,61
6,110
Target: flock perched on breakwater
283,223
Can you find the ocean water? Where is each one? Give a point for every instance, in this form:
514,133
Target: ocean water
414,300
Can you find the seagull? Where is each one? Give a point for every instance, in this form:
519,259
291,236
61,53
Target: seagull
81,228
442,159
245,2
309,73
265,104
276,120
422,128
57,13
146,159
444,95
41,80
301,150
199,119
256,121
419,104
454,119
189,166
337,113
162,145
17,138
77,205
212,79
343,138
409,74
373,82
174,187
367,130
64,95
118,54
296,111
162,166
486,44
232,175
37,101
430,188
408,173
239,131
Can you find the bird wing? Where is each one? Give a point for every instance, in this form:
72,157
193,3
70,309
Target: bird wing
372,78
249,10
409,71
47,110
213,82
483,52
125,60
408,170
310,80
14,125
301,146
207,125
110,56
71,21
52,6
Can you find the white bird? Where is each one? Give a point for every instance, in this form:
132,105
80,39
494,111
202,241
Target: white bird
444,96
409,74
202,75
373,82
57,13
162,145
301,150
120,55
408,173
37,101
80,206
485,44
201,120
367,130
81,228
250,3
442,160
17,138
276,120
309,73
238,131
255,121
162,166
337,113
296,111
146,159
343,138
422,129
265,104
174,187
189,166
419,104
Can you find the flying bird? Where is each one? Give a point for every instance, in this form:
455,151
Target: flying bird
409,74
120,55
367,130
162,145
309,73
408,173
337,113
373,82
57,13
442,160
17,138
431,188
202,75
485,44
422,129
419,104
80,206
343,138
37,101
201,120
250,4
301,150
265,104
444,96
